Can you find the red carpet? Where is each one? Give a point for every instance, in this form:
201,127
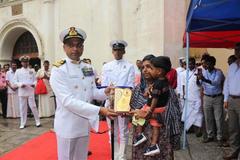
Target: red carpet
44,147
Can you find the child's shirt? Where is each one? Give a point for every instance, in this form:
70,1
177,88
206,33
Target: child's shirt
160,90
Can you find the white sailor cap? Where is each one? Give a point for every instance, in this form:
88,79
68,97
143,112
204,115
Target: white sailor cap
72,32
118,44
24,58
181,59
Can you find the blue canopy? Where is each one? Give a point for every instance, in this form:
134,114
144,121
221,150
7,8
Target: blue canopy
213,15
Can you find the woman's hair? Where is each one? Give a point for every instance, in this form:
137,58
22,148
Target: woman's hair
148,57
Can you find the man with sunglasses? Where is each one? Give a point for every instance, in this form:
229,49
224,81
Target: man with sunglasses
74,86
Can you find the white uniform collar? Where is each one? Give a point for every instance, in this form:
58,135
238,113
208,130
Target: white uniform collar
118,61
72,61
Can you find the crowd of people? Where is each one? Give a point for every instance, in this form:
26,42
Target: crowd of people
18,92
212,100
162,99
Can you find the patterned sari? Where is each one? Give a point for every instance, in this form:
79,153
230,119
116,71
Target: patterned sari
166,150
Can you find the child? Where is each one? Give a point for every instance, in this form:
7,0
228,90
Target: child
158,95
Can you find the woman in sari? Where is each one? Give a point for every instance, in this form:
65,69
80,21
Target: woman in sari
46,105
137,102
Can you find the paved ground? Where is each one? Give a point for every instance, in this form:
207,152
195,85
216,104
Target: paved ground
11,137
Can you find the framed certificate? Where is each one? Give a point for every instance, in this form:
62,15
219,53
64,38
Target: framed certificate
122,99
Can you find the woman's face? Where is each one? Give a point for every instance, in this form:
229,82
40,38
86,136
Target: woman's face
147,69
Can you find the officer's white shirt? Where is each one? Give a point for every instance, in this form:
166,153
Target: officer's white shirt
10,78
193,88
119,73
74,114
179,85
25,76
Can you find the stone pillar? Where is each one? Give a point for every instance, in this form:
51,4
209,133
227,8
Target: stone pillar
48,30
115,19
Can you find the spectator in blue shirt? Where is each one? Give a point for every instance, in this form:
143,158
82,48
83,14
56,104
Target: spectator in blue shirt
212,82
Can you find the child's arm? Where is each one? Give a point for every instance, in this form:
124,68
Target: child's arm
153,104
152,107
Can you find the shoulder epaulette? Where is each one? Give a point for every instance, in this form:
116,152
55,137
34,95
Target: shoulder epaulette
59,63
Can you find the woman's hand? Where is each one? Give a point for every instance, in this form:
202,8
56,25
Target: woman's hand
142,114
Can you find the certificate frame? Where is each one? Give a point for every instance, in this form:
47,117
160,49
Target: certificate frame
122,97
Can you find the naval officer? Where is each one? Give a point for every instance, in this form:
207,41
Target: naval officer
74,86
119,72
25,79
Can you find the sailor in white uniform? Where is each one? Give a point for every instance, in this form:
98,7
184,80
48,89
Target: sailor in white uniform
25,80
73,84
119,72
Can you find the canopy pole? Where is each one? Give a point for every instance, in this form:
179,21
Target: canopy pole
186,91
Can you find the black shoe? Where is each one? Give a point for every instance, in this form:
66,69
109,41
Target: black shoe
152,150
208,140
139,140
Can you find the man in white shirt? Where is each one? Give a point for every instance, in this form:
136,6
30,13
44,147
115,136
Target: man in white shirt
192,115
119,72
179,90
25,80
73,84
232,103
13,101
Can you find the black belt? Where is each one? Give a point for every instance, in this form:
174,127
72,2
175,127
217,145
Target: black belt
213,96
234,97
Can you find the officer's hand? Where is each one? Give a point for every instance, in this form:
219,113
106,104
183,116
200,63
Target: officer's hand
107,112
109,90
225,105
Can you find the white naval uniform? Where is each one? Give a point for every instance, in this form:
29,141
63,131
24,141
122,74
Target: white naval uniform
74,115
26,76
119,73
13,101
179,89
194,115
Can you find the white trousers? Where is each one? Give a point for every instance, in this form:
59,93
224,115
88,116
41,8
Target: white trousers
72,148
23,101
121,131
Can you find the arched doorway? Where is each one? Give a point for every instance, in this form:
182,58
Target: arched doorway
26,45
11,32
